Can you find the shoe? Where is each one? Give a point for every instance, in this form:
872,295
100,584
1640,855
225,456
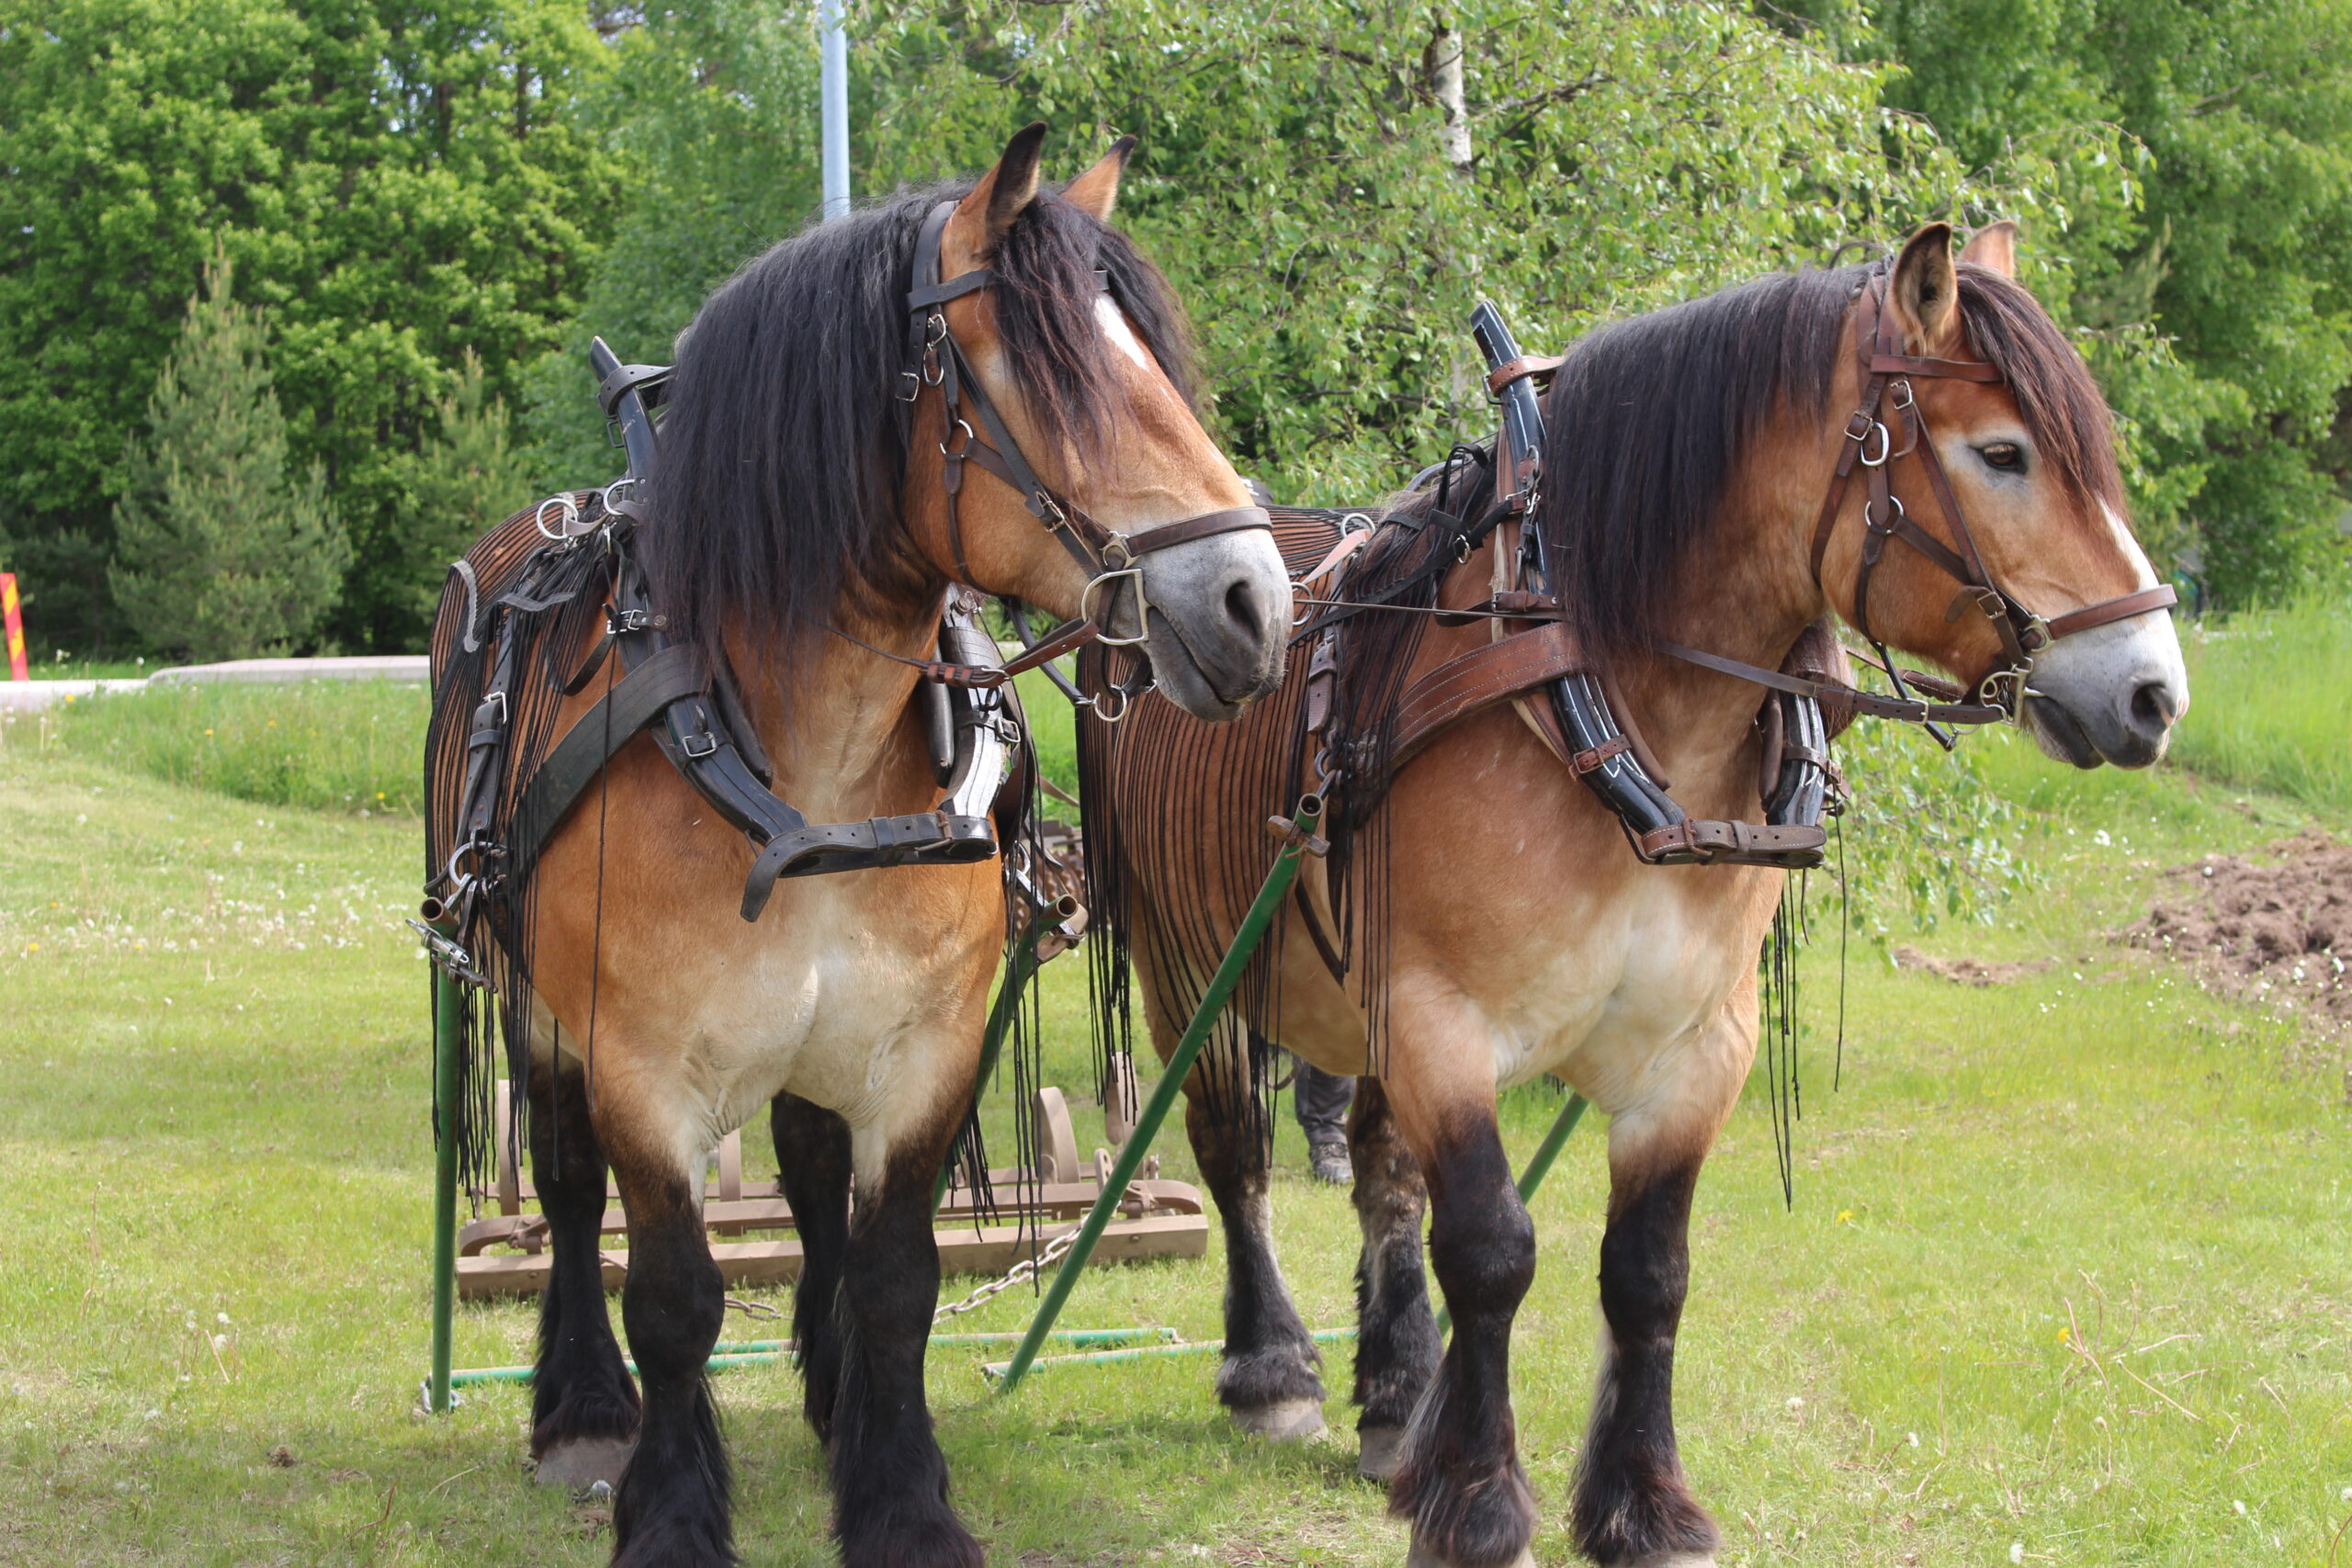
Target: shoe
1330,1163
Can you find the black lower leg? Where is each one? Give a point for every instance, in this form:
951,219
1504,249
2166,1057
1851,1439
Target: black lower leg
1460,1480
1397,1339
580,1389
672,1510
1632,1502
890,1478
1270,1361
812,1156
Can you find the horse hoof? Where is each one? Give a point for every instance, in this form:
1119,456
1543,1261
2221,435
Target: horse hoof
1284,1421
1379,1450
1420,1556
581,1463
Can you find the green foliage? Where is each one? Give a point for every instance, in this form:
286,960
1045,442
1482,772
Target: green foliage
343,746
1926,837
1329,219
396,182
466,478
2271,701
220,552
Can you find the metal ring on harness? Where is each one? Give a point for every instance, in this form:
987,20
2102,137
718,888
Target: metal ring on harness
566,516
1886,528
1126,701
1302,599
1143,607
971,435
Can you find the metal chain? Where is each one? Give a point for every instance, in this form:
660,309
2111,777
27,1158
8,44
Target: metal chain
1026,1269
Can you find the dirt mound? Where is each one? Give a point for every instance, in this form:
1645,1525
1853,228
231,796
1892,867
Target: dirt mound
2268,931
1968,971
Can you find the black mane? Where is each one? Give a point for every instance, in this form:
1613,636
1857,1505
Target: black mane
1648,418
785,444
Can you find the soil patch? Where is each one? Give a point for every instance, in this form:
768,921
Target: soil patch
1968,971
2272,930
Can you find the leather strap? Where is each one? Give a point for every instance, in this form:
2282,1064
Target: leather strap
2161,597
1539,366
1694,842
1479,678
636,700
927,837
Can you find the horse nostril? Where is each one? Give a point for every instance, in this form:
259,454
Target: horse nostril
1241,604
2154,707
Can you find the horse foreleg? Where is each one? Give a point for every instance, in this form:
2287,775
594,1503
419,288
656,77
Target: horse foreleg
1268,1380
1397,1339
813,1162
671,1509
890,1478
1634,1509
583,1402
1459,1479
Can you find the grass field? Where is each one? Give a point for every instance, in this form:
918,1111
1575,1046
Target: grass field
2066,1280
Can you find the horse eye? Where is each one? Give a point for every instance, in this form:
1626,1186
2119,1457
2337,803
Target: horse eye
2005,455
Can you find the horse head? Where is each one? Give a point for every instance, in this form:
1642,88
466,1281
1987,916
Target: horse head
1990,438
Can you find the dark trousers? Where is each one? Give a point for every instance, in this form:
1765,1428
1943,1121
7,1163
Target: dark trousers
1322,1100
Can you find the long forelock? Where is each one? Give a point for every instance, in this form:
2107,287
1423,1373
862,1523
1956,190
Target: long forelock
2062,406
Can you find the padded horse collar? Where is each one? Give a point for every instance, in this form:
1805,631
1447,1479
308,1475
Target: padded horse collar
1887,374
934,358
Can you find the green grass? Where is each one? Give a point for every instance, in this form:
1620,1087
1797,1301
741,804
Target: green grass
2066,1268
2271,701
337,746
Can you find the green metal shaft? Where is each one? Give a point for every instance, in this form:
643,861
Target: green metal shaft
1268,902
1018,972
449,1028
1538,1167
760,1352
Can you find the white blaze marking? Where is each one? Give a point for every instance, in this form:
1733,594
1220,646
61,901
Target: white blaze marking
1115,328
2147,574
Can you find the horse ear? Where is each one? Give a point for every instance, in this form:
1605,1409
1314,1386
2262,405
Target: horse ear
1096,191
1926,292
1002,195
1995,248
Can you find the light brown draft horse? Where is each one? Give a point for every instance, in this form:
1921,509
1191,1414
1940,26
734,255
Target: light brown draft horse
1500,928
799,495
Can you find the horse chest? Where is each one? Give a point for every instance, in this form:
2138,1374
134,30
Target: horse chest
1612,990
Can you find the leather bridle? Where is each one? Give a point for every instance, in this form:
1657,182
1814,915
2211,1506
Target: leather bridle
934,358
1887,374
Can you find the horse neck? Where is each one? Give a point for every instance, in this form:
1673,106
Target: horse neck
833,715
1747,594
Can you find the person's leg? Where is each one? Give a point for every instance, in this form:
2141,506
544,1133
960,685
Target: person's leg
1321,1100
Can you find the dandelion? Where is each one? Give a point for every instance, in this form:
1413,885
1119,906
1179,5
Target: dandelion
2016,1551
1797,1402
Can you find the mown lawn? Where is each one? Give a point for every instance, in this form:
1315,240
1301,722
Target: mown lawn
2067,1278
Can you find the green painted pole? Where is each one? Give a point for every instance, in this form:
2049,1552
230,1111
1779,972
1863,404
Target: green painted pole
449,1028
1018,972
1537,1168
1278,877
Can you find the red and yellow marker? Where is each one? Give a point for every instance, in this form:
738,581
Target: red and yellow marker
16,624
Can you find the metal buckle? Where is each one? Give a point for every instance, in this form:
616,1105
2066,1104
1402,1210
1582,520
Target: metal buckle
1885,445
1900,388
1143,609
498,697
709,744
910,386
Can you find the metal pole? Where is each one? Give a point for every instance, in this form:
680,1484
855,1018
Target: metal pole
1537,1169
834,106
448,1026
1298,834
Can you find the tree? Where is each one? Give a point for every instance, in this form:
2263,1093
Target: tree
468,477
220,552
396,181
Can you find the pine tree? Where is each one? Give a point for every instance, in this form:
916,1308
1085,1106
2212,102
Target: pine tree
468,476
219,553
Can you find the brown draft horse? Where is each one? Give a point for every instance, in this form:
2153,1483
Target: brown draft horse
1501,929
797,496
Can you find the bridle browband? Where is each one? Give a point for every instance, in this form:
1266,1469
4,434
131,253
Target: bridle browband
1887,374
934,358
